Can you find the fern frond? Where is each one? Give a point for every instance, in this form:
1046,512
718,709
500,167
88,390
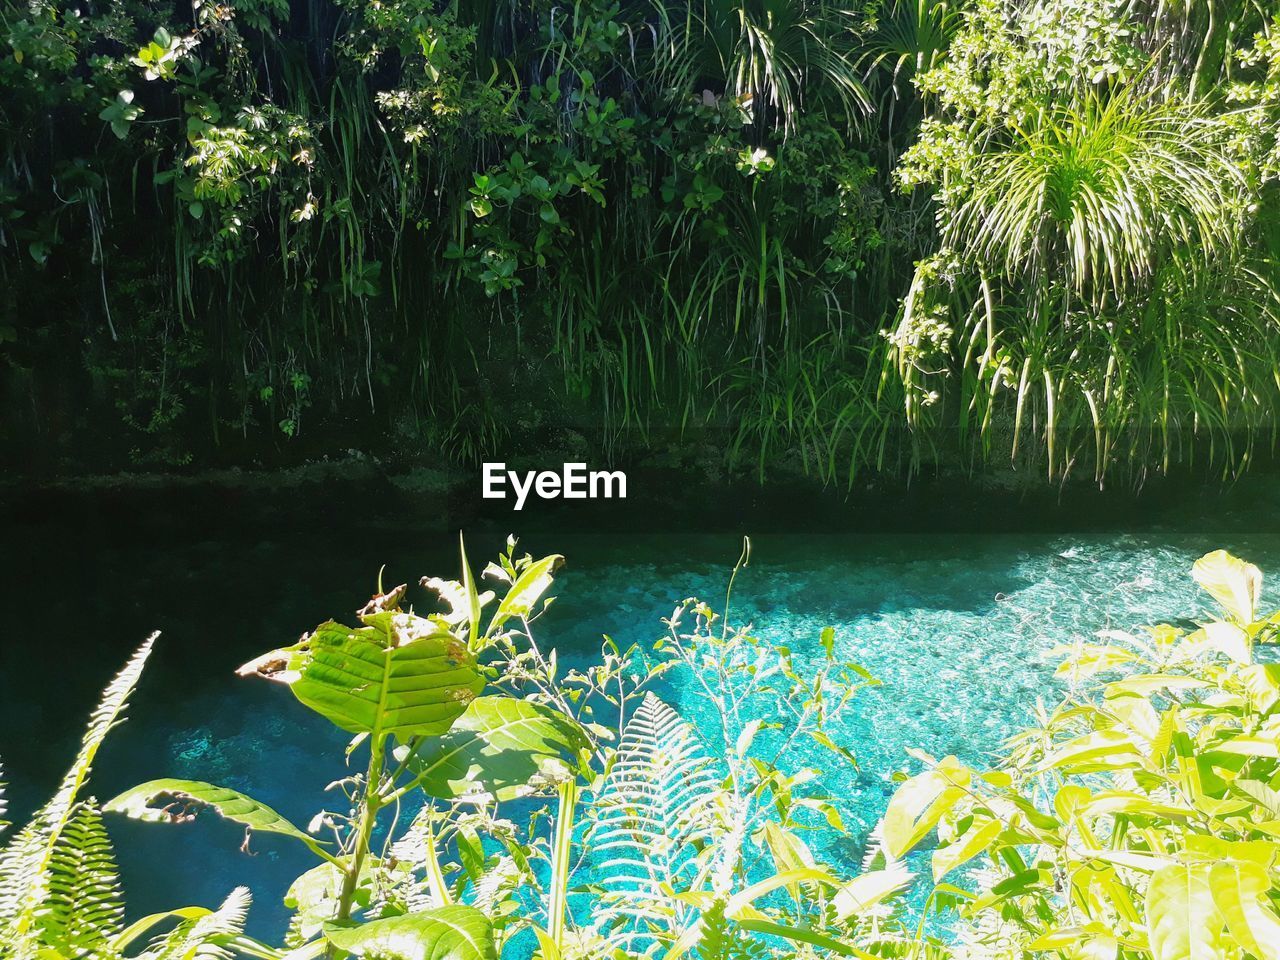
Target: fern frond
496,885
208,937
906,948
22,864
4,802
27,862
653,812
715,941
84,905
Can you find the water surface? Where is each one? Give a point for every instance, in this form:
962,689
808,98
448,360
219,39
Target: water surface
958,625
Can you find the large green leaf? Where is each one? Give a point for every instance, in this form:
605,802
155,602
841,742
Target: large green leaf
865,892
1183,922
169,800
1111,749
313,897
1240,892
919,804
1231,581
397,675
446,933
527,590
965,847
497,747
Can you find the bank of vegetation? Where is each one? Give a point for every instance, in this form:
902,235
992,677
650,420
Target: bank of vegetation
857,240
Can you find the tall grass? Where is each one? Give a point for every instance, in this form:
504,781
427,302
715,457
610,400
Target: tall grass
696,226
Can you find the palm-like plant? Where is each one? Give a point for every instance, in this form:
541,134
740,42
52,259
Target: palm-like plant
1097,285
910,38
1100,191
768,55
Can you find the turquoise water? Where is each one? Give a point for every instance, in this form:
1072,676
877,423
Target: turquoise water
959,630
957,627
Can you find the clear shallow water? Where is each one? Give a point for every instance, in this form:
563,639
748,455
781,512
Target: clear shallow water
960,630
958,627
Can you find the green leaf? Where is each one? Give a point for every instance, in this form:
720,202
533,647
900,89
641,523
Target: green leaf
1262,680
1112,802
474,602
1256,745
1091,941
1100,750
398,675
496,747
1015,886
1183,921
964,848
446,933
1092,659
313,896
1231,581
1260,793
920,803
120,113
526,591
1146,684
1227,639
170,800
789,852
866,891
143,925
1240,893
825,740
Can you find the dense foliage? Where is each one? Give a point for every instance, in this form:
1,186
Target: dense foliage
1138,819
566,815
869,237
558,813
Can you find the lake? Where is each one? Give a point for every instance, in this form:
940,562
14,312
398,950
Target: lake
954,600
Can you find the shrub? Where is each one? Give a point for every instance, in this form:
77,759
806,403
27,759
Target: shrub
1139,818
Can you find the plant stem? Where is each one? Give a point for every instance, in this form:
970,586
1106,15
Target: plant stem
557,905
435,876
370,804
